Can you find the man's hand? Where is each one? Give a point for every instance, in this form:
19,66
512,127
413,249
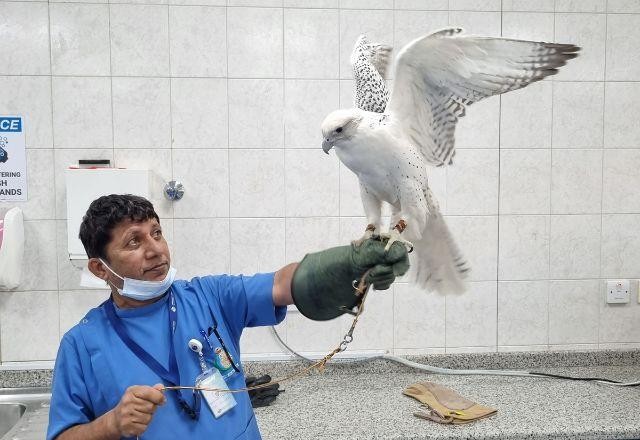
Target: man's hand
133,414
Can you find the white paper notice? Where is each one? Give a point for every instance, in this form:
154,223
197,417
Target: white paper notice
13,160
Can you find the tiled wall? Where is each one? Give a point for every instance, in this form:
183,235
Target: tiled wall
544,197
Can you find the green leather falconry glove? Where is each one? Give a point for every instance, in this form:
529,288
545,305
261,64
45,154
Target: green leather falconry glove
322,285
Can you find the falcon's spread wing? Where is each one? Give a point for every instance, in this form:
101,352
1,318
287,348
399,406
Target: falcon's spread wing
369,62
439,74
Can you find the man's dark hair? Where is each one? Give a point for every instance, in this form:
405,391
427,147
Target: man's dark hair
105,213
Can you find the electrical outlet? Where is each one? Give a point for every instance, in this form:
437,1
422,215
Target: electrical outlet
618,291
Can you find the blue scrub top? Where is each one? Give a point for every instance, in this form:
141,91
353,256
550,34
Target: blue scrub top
94,367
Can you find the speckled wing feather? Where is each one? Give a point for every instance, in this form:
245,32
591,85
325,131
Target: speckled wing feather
438,75
369,63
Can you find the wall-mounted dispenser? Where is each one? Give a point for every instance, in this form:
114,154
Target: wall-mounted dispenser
11,249
84,185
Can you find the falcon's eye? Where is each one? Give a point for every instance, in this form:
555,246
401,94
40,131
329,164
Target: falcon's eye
339,130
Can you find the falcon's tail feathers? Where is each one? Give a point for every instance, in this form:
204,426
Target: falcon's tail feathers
437,263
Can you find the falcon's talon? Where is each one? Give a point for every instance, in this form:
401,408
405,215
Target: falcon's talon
368,233
394,236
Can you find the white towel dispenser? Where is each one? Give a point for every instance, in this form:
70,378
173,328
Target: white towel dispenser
84,185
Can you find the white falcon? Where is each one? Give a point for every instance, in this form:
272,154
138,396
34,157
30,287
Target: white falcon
436,77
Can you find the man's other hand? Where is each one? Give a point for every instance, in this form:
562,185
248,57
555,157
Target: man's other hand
132,415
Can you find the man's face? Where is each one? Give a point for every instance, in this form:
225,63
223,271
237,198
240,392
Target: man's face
138,250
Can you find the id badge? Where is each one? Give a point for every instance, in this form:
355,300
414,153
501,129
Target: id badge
219,402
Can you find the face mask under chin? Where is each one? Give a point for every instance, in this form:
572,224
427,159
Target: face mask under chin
142,290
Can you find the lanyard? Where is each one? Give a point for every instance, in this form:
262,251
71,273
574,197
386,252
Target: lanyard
172,375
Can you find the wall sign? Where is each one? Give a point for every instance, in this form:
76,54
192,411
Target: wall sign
13,160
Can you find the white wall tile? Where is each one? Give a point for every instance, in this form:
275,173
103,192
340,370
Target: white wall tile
471,317
205,176
25,43
80,39
141,113
199,113
376,25
257,183
311,3
302,121
409,25
575,246
528,5
525,117
621,180
197,41
311,43
625,6
317,337
255,42
35,339
270,3
256,340
621,113
576,177
525,181
588,32
351,228
480,127
199,2
620,246
65,158
257,245
581,5
577,114
532,26
82,112
623,39
419,317
310,234
40,202
619,323
311,173
477,23
39,270
472,183
574,311
523,308
29,97
139,40
201,247
76,1
523,247
429,5
475,5
75,304
368,4
477,238
256,113
158,162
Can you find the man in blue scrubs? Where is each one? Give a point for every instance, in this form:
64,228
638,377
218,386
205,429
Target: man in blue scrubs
107,365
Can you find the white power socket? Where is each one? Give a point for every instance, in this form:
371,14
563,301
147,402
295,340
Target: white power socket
618,291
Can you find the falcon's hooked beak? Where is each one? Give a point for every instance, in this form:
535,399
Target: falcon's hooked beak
326,145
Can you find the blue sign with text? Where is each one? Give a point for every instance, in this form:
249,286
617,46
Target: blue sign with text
10,124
